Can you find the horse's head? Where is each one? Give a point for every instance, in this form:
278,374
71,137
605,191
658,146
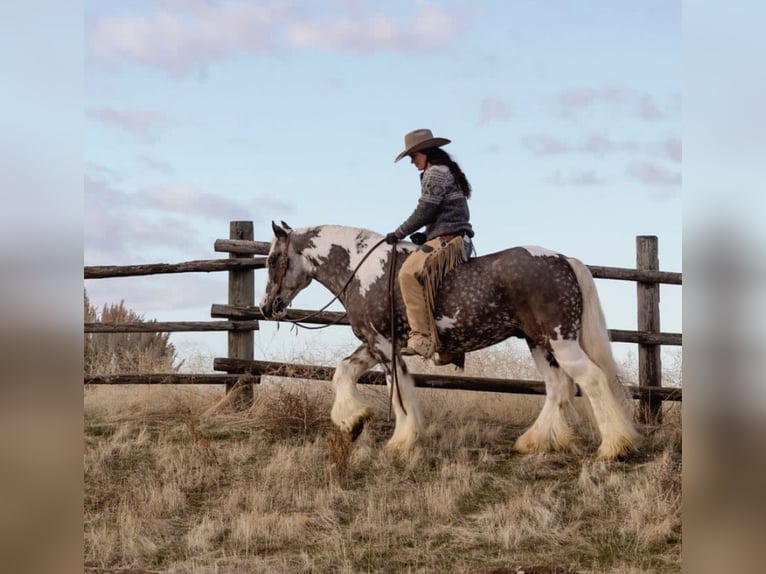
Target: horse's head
289,273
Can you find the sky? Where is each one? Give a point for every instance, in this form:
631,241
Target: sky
565,116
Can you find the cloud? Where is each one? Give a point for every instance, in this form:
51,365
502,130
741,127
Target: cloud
191,201
652,174
182,36
118,231
126,228
156,165
672,149
599,144
576,100
135,121
101,172
494,110
586,178
647,109
545,145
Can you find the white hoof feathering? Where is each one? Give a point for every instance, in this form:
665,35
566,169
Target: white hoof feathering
348,416
349,410
535,441
403,440
617,447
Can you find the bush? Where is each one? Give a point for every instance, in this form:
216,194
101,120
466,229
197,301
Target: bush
111,353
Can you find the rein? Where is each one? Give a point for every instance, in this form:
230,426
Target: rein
297,322
394,371
282,271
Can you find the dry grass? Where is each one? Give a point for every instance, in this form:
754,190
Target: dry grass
175,486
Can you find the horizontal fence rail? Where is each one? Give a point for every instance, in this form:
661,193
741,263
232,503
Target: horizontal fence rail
598,271
171,326
166,379
338,318
239,368
262,248
202,265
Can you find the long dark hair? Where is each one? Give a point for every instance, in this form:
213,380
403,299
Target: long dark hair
437,156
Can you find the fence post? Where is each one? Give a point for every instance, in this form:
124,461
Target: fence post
649,359
241,293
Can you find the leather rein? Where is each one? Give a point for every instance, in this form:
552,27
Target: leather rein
282,265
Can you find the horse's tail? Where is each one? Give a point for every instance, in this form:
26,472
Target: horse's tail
594,337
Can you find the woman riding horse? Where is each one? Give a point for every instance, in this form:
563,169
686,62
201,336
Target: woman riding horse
443,209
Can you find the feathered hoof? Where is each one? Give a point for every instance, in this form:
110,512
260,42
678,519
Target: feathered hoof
524,447
530,443
533,443
615,450
399,445
357,429
354,424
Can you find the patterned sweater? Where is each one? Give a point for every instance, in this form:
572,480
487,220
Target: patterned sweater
442,207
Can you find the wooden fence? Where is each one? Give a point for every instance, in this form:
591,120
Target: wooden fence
241,318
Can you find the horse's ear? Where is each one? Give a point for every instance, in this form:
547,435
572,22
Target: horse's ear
278,231
287,227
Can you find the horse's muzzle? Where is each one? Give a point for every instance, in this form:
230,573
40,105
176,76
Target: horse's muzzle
276,309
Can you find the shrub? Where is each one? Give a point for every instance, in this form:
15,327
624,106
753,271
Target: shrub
110,353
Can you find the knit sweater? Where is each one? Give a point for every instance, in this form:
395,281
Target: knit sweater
442,207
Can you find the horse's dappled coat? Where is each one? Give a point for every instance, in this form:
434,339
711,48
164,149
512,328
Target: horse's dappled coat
526,292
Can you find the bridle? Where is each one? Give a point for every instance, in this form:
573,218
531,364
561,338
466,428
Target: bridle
283,262
281,271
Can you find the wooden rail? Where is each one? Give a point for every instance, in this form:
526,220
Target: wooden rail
338,318
165,379
171,326
598,271
202,265
238,370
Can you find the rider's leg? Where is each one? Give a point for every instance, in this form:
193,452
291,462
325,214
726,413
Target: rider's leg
420,340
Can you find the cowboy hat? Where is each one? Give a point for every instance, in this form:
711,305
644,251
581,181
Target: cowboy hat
418,140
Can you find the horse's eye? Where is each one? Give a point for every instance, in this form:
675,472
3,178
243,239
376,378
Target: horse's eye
271,261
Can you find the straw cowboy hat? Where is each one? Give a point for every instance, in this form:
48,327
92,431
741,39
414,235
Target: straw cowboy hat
418,140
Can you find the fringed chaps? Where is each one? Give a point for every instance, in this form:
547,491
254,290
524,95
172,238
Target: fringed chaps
435,267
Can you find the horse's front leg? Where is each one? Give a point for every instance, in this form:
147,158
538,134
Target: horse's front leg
350,410
409,418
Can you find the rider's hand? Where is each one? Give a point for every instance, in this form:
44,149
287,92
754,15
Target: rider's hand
418,238
391,238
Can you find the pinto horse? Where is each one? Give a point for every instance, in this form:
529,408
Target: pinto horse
546,298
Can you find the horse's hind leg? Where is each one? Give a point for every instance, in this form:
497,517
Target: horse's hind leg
618,435
350,411
551,430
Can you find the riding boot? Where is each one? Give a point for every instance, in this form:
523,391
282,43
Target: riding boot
418,344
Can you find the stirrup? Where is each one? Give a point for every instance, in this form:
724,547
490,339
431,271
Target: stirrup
457,359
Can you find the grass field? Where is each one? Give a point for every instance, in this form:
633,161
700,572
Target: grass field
175,484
